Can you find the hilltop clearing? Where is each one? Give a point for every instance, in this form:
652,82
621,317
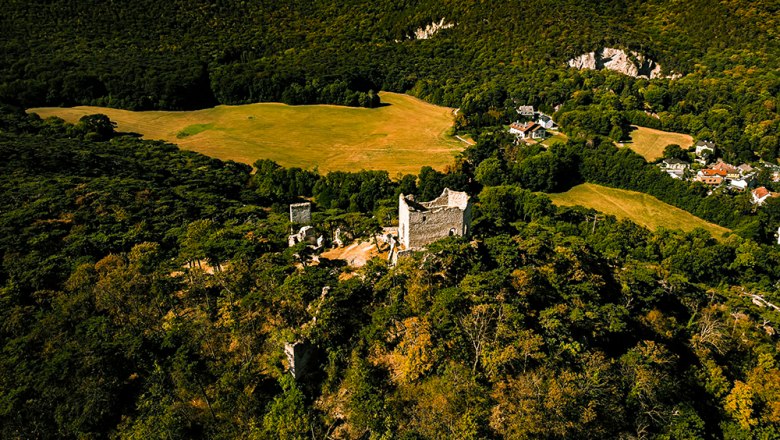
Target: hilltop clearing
399,137
642,209
650,143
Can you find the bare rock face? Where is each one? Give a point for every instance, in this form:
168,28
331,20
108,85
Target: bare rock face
430,30
631,63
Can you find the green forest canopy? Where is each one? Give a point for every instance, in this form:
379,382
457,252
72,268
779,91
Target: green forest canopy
182,55
542,325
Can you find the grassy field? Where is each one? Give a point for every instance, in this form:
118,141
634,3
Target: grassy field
557,137
399,137
638,207
650,143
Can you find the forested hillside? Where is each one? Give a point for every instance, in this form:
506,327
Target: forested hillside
180,55
148,292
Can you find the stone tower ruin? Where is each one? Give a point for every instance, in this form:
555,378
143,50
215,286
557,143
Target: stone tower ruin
300,213
422,223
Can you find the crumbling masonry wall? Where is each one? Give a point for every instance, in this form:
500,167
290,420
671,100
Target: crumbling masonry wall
300,213
422,223
298,357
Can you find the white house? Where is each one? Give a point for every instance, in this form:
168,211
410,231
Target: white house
529,130
525,110
675,167
740,184
760,195
744,182
702,147
675,164
545,121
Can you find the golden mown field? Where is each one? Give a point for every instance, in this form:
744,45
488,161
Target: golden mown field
642,209
650,143
400,137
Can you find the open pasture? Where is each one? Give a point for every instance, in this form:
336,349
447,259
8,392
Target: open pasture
642,209
401,136
650,143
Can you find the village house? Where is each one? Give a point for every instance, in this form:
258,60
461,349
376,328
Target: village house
704,151
745,169
732,172
526,111
742,183
761,194
739,185
675,167
702,146
773,169
545,122
710,177
528,130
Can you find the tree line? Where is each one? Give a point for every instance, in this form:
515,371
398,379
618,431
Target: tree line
173,55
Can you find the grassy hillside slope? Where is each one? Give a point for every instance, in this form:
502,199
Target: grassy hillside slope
640,208
650,143
400,137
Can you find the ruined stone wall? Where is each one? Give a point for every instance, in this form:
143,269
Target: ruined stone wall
298,357
300,213
403,221
420,224
428,226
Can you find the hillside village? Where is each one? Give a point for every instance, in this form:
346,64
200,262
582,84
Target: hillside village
719,175
535,126
698,163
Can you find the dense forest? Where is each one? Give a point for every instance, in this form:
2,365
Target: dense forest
184,54
148,292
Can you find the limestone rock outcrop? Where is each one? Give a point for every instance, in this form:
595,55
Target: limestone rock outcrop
628,63
430,30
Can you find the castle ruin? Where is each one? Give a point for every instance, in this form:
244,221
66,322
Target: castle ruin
422,223
298,356
300,213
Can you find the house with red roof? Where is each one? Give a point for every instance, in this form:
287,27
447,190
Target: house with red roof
710,177
732,172
528,130
760,195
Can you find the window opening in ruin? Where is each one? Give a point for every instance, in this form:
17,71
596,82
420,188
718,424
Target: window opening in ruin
423,218
452,232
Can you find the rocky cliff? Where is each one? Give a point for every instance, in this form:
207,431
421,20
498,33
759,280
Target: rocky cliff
631,63
430,30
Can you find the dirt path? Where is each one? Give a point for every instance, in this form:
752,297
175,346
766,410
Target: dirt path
356,254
